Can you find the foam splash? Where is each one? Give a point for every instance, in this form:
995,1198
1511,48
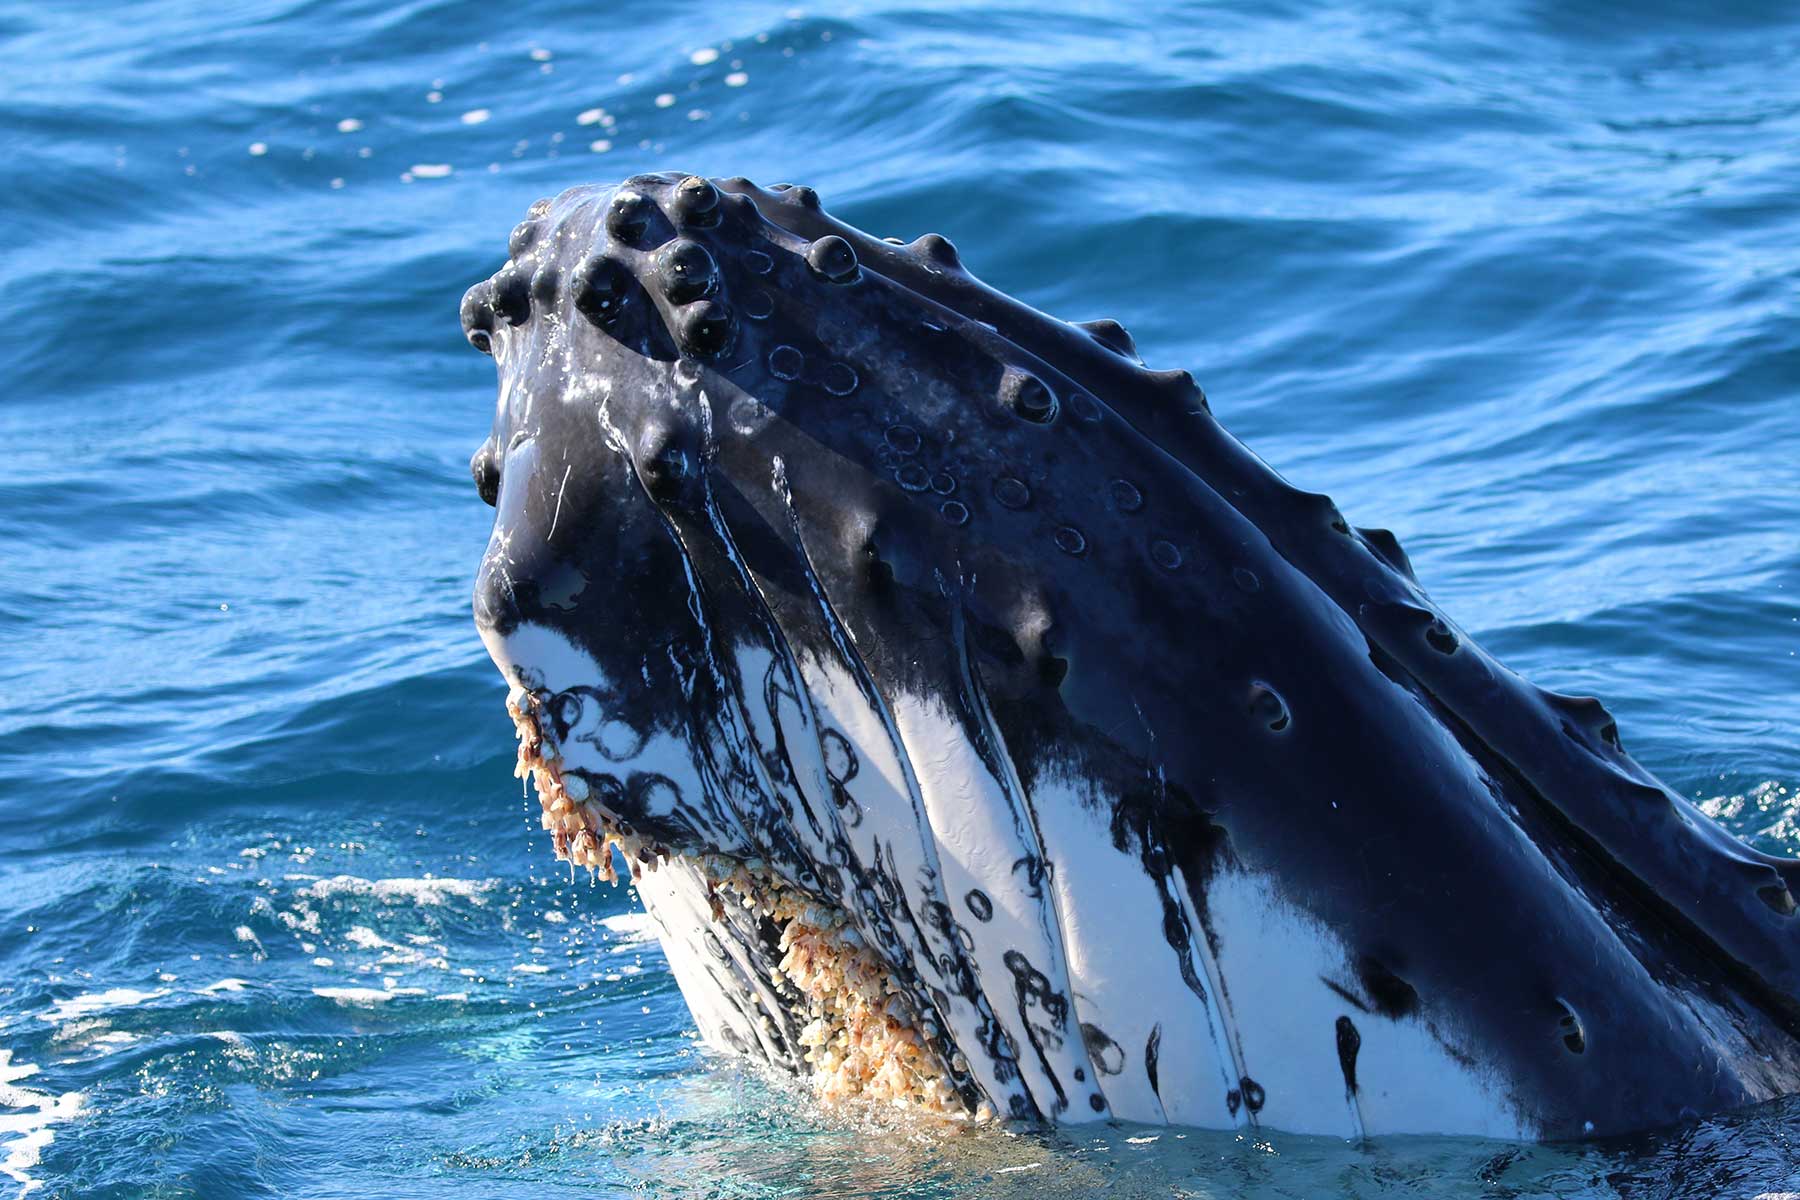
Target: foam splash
97,1002
429,892
30,1126
630,926
364,996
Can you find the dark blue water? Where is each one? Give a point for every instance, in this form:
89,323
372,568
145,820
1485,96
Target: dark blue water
1520,280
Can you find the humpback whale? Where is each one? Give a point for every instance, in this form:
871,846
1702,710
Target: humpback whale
989,731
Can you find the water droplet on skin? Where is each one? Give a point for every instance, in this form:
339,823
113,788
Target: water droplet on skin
1125,495
1070,540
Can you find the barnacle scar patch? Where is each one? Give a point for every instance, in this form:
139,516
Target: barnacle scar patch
861,1036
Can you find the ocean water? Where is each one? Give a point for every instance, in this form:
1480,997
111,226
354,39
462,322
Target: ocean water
1519,280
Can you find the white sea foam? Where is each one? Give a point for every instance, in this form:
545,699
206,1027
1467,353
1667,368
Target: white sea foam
368,939
363,995
629,929
428,892
95,1002
30,1125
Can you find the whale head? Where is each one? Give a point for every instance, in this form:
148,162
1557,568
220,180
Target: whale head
986,729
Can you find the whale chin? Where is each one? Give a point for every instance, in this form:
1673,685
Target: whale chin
989,731
769,970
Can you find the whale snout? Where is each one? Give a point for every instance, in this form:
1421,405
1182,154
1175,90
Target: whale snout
507,583
496,599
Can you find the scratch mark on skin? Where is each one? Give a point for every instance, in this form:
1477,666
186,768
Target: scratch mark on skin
561,488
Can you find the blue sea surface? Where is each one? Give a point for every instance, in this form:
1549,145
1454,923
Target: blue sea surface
1519,279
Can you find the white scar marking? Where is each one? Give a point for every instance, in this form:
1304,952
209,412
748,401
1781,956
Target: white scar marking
563,487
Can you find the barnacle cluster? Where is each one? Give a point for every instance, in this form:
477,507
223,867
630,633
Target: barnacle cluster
862,1038
583,832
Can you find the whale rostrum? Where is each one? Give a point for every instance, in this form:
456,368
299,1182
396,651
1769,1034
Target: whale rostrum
988,730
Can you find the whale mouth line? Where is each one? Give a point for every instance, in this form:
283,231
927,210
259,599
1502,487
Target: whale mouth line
860,1038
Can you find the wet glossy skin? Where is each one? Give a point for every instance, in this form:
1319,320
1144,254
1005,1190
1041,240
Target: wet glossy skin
732,430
